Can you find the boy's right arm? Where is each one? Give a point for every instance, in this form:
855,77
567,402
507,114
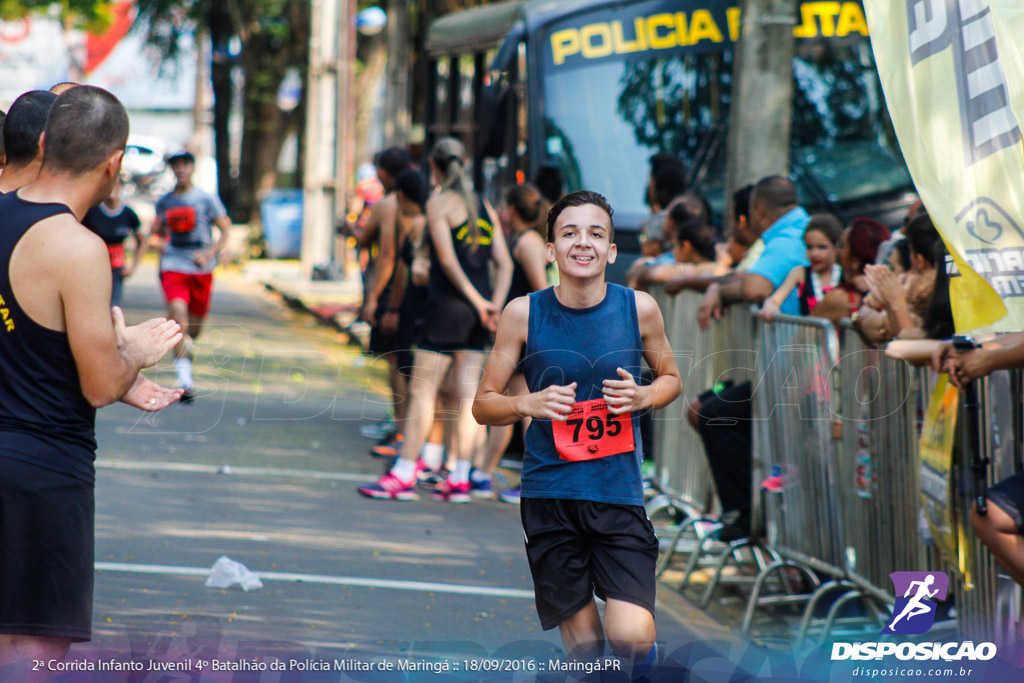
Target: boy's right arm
491,405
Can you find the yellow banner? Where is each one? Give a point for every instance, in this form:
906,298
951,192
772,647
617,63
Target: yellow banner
953,76
936,452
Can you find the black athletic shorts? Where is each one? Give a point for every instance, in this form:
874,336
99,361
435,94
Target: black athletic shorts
382,344
46,552
1009,496
579,548
450,325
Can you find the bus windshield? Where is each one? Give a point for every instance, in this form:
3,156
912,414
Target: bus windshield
603,120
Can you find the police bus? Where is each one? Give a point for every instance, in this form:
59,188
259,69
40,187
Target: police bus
596,87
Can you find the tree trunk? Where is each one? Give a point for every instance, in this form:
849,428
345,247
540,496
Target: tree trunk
367,84
762,107
266,58
221,31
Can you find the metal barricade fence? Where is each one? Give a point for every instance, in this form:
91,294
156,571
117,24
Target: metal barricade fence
792,408
682,470
879,471
848,503
723,352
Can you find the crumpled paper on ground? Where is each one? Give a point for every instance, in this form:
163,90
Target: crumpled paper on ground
226,573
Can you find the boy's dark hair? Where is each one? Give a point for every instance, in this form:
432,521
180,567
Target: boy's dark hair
26,119
3,116
413,186
580,198
394,160
86,125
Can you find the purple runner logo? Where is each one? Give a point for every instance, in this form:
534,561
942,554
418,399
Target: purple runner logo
914,613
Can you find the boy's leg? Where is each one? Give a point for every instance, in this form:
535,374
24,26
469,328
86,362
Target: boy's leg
582,634
629,629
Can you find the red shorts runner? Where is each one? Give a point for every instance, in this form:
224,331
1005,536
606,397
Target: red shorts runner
193,289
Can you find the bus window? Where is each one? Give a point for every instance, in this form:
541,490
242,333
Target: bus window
604,117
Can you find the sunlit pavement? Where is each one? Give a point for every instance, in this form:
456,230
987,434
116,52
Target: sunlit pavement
279,406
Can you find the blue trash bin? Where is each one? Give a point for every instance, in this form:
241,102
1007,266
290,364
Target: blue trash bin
281,212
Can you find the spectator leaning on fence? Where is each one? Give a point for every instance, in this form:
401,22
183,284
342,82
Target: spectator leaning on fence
692,211
919,306
740,252
823,275
1002,528
858,248
779,221
667,182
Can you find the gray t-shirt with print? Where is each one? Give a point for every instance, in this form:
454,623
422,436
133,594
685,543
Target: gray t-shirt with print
188,218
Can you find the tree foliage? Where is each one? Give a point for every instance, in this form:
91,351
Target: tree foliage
89,14
274,37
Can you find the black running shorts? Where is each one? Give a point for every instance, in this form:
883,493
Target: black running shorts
1009,496
46,552
579,548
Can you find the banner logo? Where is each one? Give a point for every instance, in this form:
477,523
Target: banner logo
914,613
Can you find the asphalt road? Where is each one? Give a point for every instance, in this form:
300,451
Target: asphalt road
280,404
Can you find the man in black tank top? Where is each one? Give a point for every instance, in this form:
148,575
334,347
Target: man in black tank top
582,508
62,355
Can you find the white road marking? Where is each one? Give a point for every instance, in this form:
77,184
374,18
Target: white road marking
421,586
235,470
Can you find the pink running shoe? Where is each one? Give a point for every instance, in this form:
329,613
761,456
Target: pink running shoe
390,487
453,493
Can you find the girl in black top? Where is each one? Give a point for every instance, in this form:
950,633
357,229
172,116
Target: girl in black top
459,320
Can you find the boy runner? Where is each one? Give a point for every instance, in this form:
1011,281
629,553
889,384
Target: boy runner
580,346
187,216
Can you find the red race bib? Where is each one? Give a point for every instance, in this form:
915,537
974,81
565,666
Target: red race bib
116,252
591,432
181,218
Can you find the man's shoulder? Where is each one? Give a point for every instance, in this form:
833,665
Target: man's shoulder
65,236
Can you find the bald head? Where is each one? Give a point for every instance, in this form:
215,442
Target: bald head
25,122
86,127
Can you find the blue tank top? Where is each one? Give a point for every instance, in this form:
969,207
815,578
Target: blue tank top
582,345
44,418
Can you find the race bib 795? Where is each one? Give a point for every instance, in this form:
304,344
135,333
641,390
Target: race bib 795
592,432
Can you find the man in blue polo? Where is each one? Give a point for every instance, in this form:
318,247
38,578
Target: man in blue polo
780,222
723,418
